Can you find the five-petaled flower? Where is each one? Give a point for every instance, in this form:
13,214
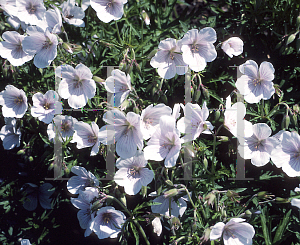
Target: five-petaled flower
30,11
9,134
233,46
256,84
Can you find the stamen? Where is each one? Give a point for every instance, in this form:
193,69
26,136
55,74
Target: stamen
19,100
92,139
46,106
195,48
256,82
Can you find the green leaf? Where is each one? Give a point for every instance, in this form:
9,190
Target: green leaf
282,227
265,229
10,230
135,233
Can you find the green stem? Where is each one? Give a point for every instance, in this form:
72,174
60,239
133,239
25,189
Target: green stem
262,108
118,33
141,231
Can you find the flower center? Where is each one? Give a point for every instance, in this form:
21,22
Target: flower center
297,155
132,172
92,139
19,100
47,44
69,16
106,217
258,144
123,88
47,106
148,122
195,48
31,8
65,126
171,56
256,82
109,4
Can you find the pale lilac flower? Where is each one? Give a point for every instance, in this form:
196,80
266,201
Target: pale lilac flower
163,208
45,106
89,135
54,20
197,48
256,84
127,132
72,14
108,222
9,7
14,102
64,125
287,154
150,118
9,134
85,4
259,146
295,202
157,227
164,143
118,84
34,193
168,59
41,44
132,173
194,122
25,242
30,11
11,48
176,110
297,189
76,85
108,10
83,202
83,179
234,117
236,232
233,46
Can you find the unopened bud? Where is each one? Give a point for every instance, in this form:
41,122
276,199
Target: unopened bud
217,115
30,159
223,212
164,99
248,213
222,138
76,48
194,227
98,80
176,223
205,93
21,152
125,105
205,163
206,235
295,119
296,108
285,122
145,17
171,193
138,68
169,182
96,206
290,39
197,95
210,197
67,47
261,194
231,193
281,200
144,191
122,65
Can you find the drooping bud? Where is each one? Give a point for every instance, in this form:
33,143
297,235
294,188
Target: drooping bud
206,235
217,115
197,95
222,138
30,159
175,223
210,197
122,65
136,110
290,39
205,93
145,17
144,191
98,80
96,206
281,200
171,193
21,152
67,47
248,213
169,182
261,194
285,122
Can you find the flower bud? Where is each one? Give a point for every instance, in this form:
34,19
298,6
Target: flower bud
21,152
30,159
261,194
144,191
197,95
96,206
67,47
222,138
296,108
145,17
298,45
136,110
285,122
205,93
194,227
169,182
290,39
281,200
76,48
125,105
206,235
295,119
122,65
230,193
223,212
171,193
210,197
164,98
138,68
248,213
99,80
217,115
175,223
205,163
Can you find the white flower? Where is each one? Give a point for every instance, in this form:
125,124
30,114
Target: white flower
34,193
108,222
89,135
287,154
256,84
164,143
234,117
234,232
41,44
83,202
82,180
157,227
30,11
295,202
45,106
127,132
259,146
14,102
76,85
9,134
233,46
297,189
165,204
72,14
168,59
108,10
118,84
11,49
197,48
150,118
9,6
194,122
54,20
85,4
25,242
64,125
132,173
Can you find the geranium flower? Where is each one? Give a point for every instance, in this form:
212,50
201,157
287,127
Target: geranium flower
14,102
76,85
164,143
9,6
64,125
11,49
165,204
30,11
127,132
118,84
108,10
256,84
72,14
132,173
150,118
41,44
83,179
234,114
34,193
259,146
83,202
157,227
287,154
45,106
233,46
89,135
197,48
9,134
234,232
108,222
194,122
54,20
168,59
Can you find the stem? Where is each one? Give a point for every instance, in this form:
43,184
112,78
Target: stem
142,231
262,108
118,33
